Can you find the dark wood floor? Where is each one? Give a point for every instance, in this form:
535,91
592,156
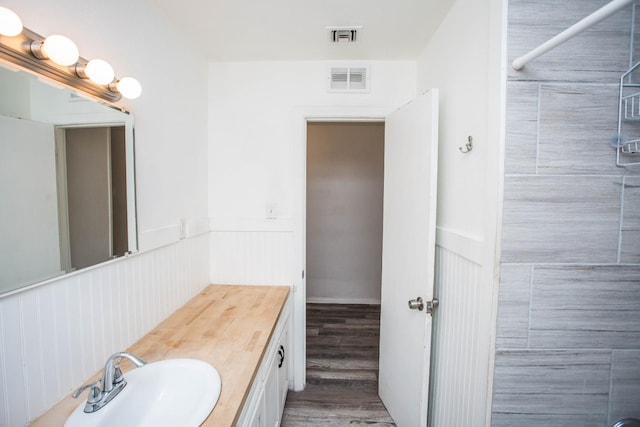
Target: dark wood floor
342,369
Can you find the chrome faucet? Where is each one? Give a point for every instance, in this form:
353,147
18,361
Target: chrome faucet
103,390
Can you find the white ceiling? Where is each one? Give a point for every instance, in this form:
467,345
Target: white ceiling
256,30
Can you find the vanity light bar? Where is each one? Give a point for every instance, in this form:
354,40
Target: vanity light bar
56,57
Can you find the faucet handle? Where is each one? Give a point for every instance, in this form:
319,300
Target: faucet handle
94,391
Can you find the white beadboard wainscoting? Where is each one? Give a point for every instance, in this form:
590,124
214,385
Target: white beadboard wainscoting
458,389
252,257
54,336
242,254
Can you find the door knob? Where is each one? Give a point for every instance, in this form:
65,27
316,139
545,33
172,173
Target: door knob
416,304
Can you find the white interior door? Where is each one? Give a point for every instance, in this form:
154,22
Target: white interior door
408,251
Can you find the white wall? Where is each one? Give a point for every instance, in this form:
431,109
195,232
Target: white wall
256,152
456,61
52,105
464,60
29,246
254,112
257,135
15,98
43,330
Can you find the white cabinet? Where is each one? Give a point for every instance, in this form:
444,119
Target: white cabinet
277,382
268,394
255,416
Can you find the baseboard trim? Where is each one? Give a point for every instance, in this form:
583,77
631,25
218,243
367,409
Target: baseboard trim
343,300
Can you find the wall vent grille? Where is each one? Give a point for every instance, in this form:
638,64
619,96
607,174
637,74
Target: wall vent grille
349,79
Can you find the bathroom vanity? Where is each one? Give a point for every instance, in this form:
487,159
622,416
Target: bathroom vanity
243,331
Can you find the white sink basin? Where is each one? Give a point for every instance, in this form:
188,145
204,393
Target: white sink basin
174,392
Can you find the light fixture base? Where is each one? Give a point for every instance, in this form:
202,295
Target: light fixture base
35,47
80,69
24,51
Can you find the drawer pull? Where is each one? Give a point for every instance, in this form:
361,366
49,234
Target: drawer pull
281,354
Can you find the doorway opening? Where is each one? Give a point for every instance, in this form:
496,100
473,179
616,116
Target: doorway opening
345,189
92,194
344,205
409,211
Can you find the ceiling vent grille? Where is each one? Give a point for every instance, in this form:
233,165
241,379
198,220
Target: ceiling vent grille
349,79
343,35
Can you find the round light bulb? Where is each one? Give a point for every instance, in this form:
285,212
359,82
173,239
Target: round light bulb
129,87
10,23
60,50
99,71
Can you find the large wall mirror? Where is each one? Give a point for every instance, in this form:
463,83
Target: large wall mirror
66,181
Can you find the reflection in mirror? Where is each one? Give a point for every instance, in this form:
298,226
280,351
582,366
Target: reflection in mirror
66,179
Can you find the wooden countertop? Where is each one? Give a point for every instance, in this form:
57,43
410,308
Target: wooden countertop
227,326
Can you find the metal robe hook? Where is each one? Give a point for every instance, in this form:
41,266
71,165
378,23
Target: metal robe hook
468,146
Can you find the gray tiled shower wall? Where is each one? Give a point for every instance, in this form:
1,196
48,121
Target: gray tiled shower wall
568,333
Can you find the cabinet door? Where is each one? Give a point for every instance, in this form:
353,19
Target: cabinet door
257,416
271,395
283,370
267,398
277,382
